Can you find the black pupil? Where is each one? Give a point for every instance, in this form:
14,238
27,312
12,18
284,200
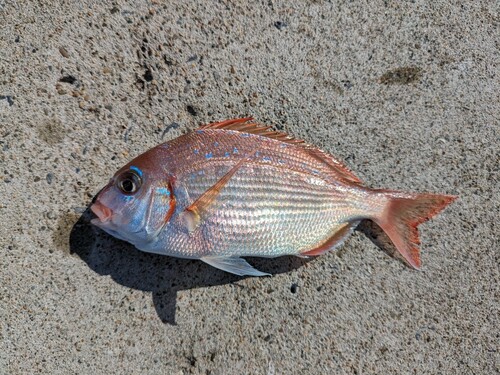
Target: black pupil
128,186
129,182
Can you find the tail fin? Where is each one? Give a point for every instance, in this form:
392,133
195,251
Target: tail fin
402,215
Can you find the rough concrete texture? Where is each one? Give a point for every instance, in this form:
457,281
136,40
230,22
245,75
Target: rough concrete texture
407,93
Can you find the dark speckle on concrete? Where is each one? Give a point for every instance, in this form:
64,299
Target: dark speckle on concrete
401,76
68,79
347,84
280,25
148,75
8,98
191,110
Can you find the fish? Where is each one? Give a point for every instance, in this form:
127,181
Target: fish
236,188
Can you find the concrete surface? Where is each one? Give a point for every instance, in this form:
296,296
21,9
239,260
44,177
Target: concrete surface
407,92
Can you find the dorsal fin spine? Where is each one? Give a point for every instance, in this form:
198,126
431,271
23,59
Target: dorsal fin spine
243,125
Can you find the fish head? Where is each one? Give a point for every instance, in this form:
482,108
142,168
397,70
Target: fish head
136,204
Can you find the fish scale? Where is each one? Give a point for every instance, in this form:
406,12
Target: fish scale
234,189
194,148
267,226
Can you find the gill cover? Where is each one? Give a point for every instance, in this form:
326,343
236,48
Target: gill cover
160,209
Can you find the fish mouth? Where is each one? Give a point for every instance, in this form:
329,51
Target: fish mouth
102,212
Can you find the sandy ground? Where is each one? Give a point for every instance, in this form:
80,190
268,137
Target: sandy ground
406,92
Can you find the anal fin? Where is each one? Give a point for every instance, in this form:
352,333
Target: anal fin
334,241
236,265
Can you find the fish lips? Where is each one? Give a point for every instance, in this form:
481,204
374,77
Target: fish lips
103,213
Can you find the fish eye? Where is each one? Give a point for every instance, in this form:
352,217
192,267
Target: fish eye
129,182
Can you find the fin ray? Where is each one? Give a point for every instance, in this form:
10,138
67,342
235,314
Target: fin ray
333,166
195,213
334,241
403,214
235,265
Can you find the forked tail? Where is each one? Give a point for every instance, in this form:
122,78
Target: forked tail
402,215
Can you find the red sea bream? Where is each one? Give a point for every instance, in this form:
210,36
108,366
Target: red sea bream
234,189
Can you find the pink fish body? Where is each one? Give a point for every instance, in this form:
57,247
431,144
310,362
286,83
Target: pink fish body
235,189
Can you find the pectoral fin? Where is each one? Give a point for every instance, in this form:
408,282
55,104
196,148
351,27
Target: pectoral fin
194,215
235,265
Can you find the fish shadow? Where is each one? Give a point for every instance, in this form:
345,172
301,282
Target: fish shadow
161,275
380,239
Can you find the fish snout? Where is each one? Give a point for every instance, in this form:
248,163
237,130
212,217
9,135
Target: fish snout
101,211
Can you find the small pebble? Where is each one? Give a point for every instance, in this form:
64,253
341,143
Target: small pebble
49,178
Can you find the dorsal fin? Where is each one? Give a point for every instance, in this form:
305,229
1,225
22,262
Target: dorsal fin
245,126
335,165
